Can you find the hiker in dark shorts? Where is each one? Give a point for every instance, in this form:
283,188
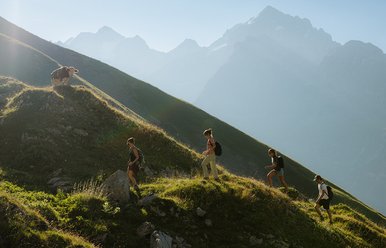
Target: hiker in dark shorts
323,198
210,156
133,164
277,169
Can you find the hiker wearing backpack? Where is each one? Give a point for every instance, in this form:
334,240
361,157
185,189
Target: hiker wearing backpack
134,163
210,156
277,168
324,197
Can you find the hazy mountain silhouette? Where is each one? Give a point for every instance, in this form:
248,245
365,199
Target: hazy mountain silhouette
188,66
289,84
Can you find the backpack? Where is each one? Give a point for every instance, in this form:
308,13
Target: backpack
141,159
330,193
141,156
217,149
280,162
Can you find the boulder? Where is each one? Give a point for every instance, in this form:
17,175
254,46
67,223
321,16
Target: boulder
117,187
180,242
145,229
253,241
160,239
62,183
200,212
147,200
208,222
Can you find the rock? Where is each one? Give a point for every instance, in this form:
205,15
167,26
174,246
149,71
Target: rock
56,173
62,183
145,229
200,212
80,132
100,238
270,236
117,187
181,243
158,211
171,210
147,200
148,172
160,239
208,222
253,241
281,244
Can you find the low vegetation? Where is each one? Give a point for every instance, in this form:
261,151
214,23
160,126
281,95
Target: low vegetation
239,209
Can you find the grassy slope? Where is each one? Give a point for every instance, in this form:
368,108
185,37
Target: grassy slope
242,154
238,207
40,134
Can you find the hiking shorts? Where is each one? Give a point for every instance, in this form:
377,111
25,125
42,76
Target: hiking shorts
280,172
134,168
325,203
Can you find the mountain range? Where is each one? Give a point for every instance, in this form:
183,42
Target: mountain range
282,81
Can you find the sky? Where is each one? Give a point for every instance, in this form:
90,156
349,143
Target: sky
163,24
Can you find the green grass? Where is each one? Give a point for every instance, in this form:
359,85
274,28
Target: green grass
238,207
40,134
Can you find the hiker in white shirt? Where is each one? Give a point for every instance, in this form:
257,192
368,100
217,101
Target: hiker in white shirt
323,199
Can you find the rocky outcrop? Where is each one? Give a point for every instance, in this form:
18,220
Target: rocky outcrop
145,229
117,187
160,239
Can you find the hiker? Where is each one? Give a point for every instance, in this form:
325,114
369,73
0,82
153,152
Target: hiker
323,198
210,156
62,75
133,164
277,168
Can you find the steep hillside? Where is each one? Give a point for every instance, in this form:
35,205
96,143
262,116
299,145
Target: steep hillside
251,215
44,130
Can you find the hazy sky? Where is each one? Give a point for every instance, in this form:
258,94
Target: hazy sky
166,23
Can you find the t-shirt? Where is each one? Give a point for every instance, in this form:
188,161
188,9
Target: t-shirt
323,187
276,163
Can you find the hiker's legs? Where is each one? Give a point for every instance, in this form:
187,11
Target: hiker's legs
271,174
204,166
213,165
132,179
329,215
283,182
317,208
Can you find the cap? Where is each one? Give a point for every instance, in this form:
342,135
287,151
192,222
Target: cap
317,177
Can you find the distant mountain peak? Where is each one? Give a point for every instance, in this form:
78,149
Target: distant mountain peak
109,32
106,29
188,45
270,11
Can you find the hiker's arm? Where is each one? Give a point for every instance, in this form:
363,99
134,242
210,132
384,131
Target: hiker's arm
210,148
321,196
